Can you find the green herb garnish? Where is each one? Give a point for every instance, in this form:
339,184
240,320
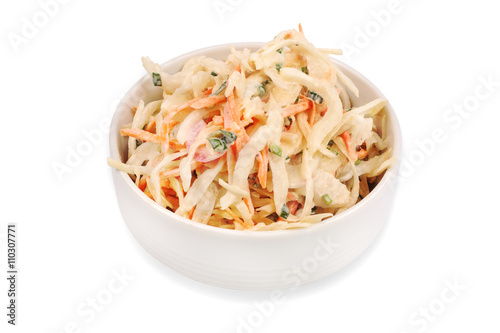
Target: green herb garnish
275,149
287,121
284,211
221,88
156,79
221,140
261,90
326,198
279,67
315,97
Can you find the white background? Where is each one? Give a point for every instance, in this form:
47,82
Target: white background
67,77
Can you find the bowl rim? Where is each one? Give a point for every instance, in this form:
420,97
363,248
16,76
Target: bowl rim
389,177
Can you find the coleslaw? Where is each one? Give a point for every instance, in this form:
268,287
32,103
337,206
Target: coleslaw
264,140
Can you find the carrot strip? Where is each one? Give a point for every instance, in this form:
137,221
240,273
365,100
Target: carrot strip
292,206
362,154
249,204
232,107
292,196
191,213
313,114
263,163
293,109
143,183
151,126
347,140
208,101
149,137
300,28
149,195
231,123
176,172
235,218
141,134
236,69
231,162
218,120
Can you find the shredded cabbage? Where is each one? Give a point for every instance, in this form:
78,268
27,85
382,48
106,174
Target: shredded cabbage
265,140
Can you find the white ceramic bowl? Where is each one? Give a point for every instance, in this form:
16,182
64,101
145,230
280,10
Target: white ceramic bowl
261,260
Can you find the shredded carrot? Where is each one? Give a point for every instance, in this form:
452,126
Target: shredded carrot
174,201
232,107
347,140
249,204
149,137
231,162
191,213
313,114
263,159
208,101
292,206
362,154
218,120
300,28
293,109
149,195
176,172
231,123
292,196
235,218
135,108
236,69
141,134
151,126
143,183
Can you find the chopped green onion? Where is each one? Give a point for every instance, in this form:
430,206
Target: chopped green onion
332,150
261,90
357,162
313,210
221,140
218,145
156,79
229,137
315,97
267,82
297,99
327,199
329,147
287,121
305,70
287,159
348,110
279,50
275,149
285,211
221,88
214,74
278,67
